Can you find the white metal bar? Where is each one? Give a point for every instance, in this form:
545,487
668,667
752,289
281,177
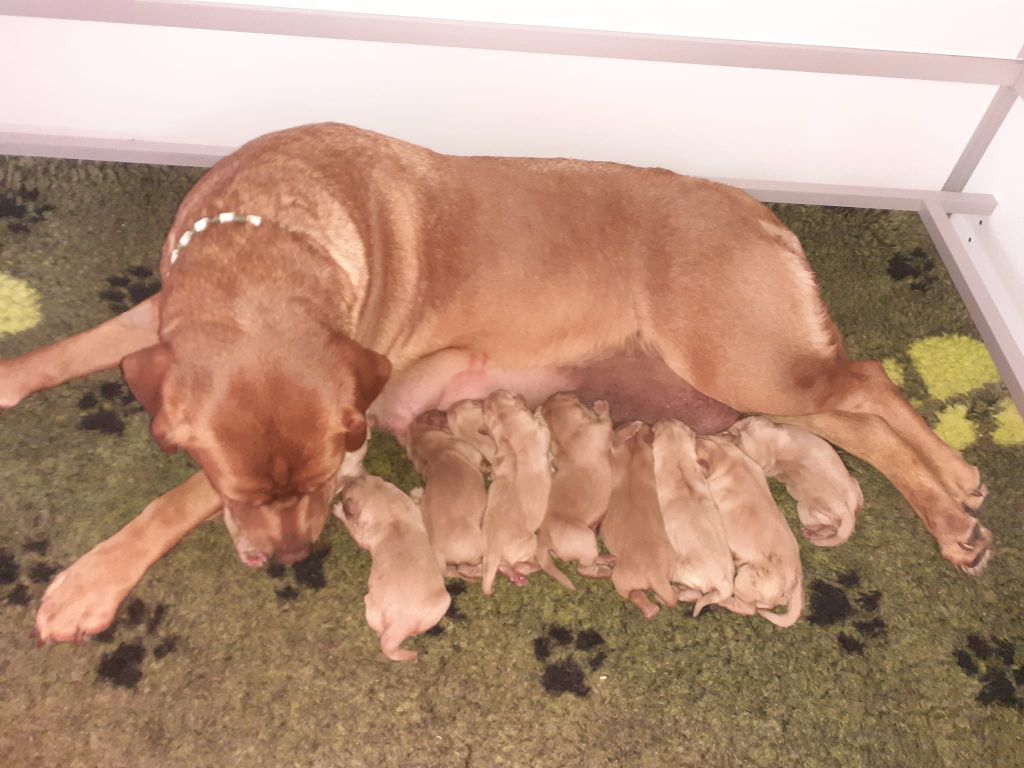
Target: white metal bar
864,197
1005,350
112,150
529,39
159,153
983,135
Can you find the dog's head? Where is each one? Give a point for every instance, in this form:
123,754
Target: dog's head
271,430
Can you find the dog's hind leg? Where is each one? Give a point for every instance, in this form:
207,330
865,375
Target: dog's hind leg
963,541
94,350
868,390
767,345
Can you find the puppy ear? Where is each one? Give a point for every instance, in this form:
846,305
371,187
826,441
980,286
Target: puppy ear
144,372
624,433
435,418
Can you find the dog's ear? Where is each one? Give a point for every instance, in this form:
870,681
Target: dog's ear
144,372
370,371
354,429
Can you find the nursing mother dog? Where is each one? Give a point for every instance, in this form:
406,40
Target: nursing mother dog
327,276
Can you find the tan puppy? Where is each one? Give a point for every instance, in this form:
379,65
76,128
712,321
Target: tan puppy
768,570
454,496
520,486
581,442
827,497
632,528
406,594
466,422
704,567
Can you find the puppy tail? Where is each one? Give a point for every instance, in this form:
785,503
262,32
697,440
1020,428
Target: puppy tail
796,607
663,589
490,570
548,565
708,598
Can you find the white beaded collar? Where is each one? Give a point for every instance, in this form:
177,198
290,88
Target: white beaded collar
203,223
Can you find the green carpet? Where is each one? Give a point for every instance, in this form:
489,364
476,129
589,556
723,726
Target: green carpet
899,661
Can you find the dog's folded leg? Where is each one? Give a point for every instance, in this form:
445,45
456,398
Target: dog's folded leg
83,599
963,541
97,349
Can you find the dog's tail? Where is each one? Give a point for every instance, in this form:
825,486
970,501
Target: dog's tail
547,564
793,611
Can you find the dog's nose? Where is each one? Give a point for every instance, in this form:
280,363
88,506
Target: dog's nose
294,556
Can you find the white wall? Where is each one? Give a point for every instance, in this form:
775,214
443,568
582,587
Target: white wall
201,87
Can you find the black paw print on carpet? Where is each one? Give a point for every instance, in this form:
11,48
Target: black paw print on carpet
844,603
916,268
562,654
991,662
307,574
105,408
455,588
122,667
129,287
37,570
21,208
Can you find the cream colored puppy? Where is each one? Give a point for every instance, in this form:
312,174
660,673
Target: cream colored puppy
466,422
406,594
767,557
454,496
704,567
520,486
827,497
632,529
581,442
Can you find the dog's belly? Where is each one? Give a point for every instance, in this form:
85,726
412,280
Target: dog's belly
643,387
636,386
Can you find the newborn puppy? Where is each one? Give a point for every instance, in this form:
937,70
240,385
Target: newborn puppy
827,497
406,594
466,422
632,528
520,486
581,442
768,570
454,496
693,523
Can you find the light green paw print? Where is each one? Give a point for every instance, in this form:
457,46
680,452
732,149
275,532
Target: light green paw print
19,305
961,391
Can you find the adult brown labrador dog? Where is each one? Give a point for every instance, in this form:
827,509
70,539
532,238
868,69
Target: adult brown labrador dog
312,263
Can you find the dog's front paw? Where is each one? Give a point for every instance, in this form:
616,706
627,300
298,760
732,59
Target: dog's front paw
82,600
12,389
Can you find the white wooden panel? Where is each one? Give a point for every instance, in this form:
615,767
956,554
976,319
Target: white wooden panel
975,28
212,88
